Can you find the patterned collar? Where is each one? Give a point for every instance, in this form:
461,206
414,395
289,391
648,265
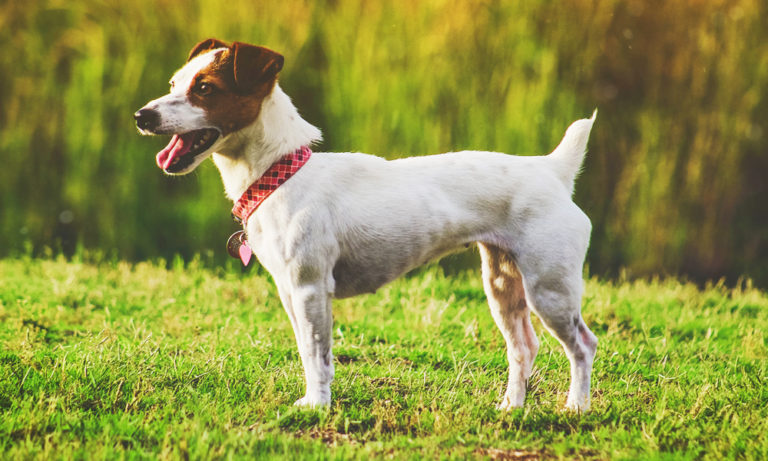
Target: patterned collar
273,178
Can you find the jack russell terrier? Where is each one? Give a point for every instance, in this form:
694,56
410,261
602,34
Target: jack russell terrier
331,225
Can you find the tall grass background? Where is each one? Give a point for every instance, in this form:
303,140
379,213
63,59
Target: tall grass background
675,181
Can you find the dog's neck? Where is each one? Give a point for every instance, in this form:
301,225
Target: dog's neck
248,153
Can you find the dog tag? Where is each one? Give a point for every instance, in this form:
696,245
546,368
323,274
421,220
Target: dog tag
245,253
237,247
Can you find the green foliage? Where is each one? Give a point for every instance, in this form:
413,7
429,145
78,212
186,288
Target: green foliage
674,179
106,359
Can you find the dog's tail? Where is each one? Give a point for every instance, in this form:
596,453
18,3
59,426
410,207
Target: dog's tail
568,156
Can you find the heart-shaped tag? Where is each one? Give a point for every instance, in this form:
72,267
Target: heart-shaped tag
245,253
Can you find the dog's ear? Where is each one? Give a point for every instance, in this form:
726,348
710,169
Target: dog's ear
206,45
254,65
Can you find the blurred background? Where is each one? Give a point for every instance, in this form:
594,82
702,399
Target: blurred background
675,180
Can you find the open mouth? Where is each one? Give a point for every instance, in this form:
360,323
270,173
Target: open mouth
183,148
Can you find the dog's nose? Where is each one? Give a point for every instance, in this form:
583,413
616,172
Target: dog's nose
147,119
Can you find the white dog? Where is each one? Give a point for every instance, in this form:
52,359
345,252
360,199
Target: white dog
341,224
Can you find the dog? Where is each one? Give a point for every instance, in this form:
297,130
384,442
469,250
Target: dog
334,225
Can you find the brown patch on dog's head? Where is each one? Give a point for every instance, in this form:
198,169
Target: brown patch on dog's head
232,88
206,45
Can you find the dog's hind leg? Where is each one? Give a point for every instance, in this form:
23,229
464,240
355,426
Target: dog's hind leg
506,297
557,302
553,286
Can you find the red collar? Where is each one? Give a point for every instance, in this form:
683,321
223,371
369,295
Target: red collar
273,178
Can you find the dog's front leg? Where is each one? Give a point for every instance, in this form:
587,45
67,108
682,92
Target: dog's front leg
309,307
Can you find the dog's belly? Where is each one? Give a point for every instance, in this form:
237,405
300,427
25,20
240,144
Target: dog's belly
353,277
371,263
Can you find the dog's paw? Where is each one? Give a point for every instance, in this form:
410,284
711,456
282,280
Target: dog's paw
313,402
512,400
577,407
508,405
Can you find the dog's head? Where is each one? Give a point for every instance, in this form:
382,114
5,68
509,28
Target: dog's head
219,91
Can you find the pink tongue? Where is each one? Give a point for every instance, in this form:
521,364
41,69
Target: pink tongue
178,146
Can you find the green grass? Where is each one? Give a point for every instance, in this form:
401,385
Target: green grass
107,359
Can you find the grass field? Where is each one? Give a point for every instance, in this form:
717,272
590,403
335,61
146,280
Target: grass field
115,360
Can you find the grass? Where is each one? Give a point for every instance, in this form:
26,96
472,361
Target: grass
106,359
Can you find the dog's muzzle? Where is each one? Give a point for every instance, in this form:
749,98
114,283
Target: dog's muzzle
147,119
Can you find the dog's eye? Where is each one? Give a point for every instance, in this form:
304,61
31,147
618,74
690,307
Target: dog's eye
203,88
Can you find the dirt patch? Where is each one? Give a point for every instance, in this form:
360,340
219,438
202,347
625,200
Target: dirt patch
329,437
497,454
